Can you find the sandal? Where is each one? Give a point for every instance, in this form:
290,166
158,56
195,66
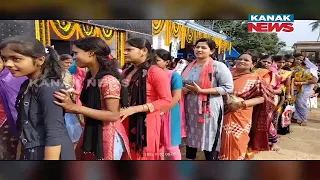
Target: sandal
304,123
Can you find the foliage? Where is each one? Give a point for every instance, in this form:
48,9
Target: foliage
237,30
284,52
315,25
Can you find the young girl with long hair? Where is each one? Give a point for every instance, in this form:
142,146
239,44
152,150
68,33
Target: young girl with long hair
149,92
44,135
104,136
172,116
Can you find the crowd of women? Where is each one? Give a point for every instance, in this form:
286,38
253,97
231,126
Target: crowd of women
53,107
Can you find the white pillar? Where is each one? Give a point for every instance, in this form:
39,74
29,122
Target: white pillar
154,42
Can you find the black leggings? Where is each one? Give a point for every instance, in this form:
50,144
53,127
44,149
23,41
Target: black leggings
191,153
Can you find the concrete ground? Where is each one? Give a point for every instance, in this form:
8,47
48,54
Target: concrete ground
303,143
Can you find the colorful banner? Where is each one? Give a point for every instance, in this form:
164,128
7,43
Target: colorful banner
185,34
70,31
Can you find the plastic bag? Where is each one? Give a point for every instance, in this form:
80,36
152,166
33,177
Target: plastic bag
312,102
287,115
73,126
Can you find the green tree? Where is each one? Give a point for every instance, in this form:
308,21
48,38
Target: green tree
237,30
284,52
315,25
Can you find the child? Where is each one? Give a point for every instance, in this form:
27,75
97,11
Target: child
44,135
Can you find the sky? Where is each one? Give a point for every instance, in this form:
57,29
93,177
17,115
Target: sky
302,32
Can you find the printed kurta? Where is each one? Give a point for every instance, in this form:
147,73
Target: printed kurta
159,95
115,140
206,136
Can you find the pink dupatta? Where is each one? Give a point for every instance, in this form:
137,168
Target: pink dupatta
78,79
276,79
205,82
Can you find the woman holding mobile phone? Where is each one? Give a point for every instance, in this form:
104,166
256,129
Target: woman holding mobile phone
206,81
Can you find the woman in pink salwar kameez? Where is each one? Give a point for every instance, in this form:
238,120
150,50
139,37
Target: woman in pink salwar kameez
103,137
149,92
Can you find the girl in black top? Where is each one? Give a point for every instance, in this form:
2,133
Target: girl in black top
41,122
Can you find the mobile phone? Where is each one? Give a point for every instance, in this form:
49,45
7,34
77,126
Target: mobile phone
189,82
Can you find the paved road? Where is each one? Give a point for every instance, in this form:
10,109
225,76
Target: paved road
302,144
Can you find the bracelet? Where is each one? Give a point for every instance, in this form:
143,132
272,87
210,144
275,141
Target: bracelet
143,106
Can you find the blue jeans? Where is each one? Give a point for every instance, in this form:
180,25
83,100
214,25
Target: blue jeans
119,147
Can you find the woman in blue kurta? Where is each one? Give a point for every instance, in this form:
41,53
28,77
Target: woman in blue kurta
171,117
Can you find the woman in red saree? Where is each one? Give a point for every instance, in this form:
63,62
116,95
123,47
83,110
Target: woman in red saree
250,93
268,71
149,92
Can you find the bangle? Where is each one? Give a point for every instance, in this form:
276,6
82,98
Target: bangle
145,106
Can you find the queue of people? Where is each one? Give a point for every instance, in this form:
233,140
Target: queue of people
88,109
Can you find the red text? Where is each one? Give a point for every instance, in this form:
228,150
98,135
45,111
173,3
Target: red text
270,27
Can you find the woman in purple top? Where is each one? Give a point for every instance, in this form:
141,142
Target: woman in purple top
9,87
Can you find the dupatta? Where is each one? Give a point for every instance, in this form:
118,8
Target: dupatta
9,88
263,114
205,82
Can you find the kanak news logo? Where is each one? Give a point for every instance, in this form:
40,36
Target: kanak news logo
266,23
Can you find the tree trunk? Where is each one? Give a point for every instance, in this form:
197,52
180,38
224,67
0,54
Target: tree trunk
318,35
